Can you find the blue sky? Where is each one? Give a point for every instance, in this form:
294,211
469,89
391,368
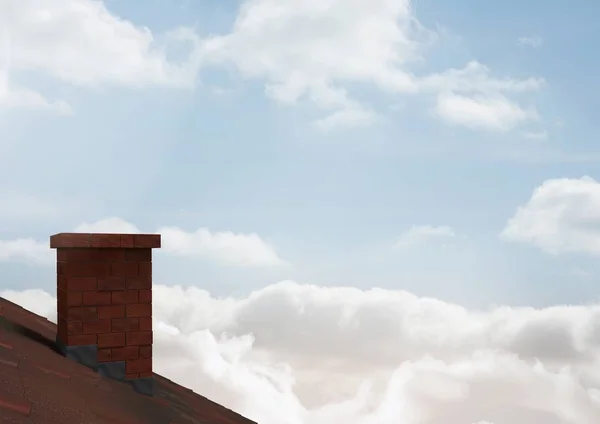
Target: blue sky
370,209
328,155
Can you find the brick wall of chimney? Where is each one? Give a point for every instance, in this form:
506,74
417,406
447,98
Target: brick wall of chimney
104,307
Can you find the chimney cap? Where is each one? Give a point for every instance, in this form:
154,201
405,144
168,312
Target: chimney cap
105,240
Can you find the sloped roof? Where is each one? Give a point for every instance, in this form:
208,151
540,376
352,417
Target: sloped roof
39,385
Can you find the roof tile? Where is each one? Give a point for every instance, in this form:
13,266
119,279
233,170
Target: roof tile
15,403
40,386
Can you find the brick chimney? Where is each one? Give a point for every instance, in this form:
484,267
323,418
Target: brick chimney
104,292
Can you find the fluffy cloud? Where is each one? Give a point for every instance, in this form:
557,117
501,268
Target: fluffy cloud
227,248
301,354
15,97
562,215
80,42
497,114
311,50
314,50
26,250
107,225
422,234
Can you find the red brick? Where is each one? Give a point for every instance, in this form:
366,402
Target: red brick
139,338
111,340
106,240
145,296
145,374
62,321
97,327
105,355
63,310
131,375
138,310
145,269
95,269
111,283
127,240
113,311
69,269
107,255
82,313
124,269
61,282
138,255
138,365
124,297
61,331
125,324
61,296
63,240
72,255
146,351
125,353
151,241
137,283
81,283
145,323
74,298
74,328
81,339
96,298
62,255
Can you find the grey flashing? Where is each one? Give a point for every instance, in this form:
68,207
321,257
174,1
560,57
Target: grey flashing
85,354
144,386
113,370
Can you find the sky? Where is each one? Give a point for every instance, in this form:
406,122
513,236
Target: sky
372,211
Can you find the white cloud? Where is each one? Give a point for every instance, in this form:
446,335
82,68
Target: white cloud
477,78
16,97
107,225
26,250
226,247
347,118
480,112
312,50
315,49
300,354
562,215
422,234
82,43
534,41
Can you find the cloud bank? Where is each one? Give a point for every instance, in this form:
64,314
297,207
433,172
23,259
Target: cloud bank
225,247
302,354
314,50
302,50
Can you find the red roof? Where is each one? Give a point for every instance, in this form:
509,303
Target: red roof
39,385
